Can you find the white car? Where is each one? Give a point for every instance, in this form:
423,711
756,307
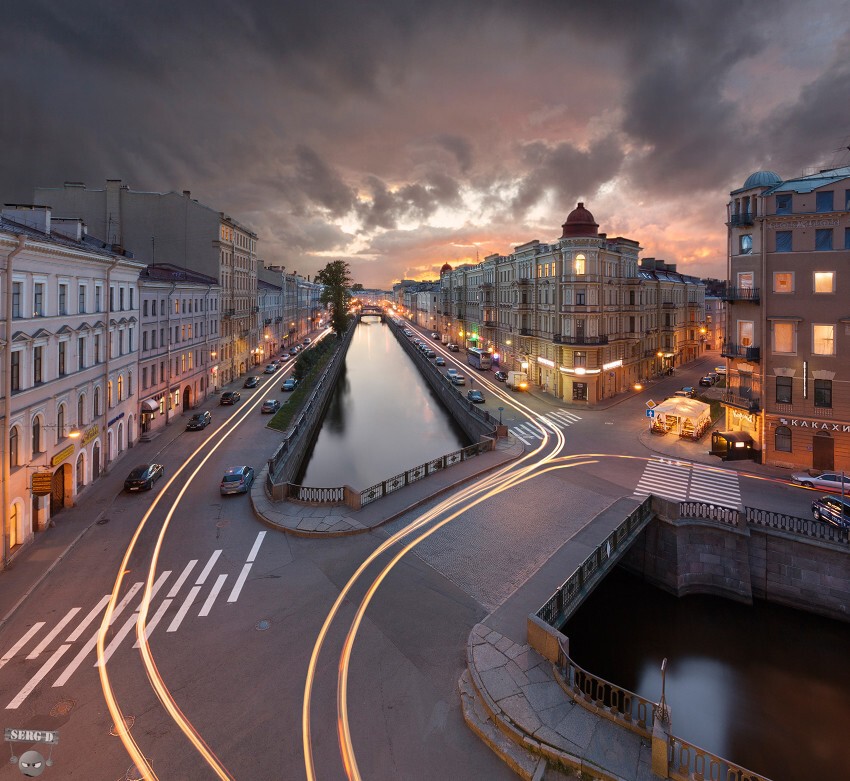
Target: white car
720,370
831,481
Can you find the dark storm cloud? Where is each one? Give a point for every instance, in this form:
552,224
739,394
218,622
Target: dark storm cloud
460,147
319,183
384,207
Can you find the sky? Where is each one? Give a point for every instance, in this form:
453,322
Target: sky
402,135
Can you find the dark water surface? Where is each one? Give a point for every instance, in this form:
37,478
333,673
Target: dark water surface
764,686
383,417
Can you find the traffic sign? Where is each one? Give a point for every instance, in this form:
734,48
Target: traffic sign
650,413
651,404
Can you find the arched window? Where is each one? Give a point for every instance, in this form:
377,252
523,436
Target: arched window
60,423
580,264
14,447
97,410
129,384
81,471
14,522
782,439
109,395
81,409
120,437
120,387
36,435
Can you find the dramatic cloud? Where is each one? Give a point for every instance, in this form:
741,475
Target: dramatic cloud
403,135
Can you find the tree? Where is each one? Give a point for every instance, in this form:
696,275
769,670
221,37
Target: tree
357,288
337,281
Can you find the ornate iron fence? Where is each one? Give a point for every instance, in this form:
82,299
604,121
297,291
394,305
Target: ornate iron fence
805,527
703,511
303,493
687,762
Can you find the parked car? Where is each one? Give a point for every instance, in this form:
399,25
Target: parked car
285,357
831,481
458,379
430,354
307,340
199,421
289,384
721,370
408,332
501,376
293,351
475,396
237,480
229,397
440,361
270,369
832,509
435,335
688,391
251,382
708,380
270,406
143,477
452,348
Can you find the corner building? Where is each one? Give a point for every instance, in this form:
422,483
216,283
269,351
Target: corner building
788,328
582,316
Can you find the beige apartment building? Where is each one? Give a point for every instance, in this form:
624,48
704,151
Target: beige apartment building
583,316
788,328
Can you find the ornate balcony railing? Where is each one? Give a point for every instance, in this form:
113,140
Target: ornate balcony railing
741,219
740,294
588,340
748,403
734,350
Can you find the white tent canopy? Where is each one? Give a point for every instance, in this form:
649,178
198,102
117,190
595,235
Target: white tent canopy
683,416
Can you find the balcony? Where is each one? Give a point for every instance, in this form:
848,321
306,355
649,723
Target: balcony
489,323
228,313
741,219
733,350
668,305
447,313
740,294
590,340
748,403
267,321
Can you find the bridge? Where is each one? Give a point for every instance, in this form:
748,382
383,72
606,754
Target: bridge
371,311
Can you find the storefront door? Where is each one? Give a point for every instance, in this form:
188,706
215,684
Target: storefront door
823,451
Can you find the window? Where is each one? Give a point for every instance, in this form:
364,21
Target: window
783,338
824,282
823,393
121,342
63,299
847,200
783,390
97,410
98,298
153,339
63,351
60,423
782,439
36,435
144,340
131,298
823,339
176,306
745,333
783,203
144,377
579,359
16,299
16,370
153,307
111,299
14,447
783,241
847,238
823,201
580,299
81,302
745,244
38,299
120,387
783,282
81,409
823,239
144,308
81,353
746,279
580,265
37,365
121,298
97,348
109,395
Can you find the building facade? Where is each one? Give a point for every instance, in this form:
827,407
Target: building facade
69,369
179,345
788,324
582,316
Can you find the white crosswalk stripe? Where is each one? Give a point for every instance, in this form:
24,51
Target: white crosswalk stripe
133,593
554,421
688,482
564,417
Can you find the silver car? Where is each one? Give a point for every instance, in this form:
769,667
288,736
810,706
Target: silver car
831,481
237,480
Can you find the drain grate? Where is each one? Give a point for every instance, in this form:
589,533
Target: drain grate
62,708
263,625
129,721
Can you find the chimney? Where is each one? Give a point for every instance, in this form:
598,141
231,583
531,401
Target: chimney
37,217
72,228
187,193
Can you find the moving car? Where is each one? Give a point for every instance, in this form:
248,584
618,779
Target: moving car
688,392
199,421
440,361
251,382
270,406
270,369
721,370
229,397
452,348
143,477
450,373
831,481
237,480
833,510
501,376
285,357
290,384
708,380
475,396
435,335
458,379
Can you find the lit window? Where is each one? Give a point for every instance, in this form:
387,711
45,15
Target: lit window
823,339
580,264
783,338
746,244
824,282
783,282
745,333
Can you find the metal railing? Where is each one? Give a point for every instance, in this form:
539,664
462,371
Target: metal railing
561,339
687,762
739,294
734,350
703,511
749,403
804,527
303,493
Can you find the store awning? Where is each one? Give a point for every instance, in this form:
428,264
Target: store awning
150,405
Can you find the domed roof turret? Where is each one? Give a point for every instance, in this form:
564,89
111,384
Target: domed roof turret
446,267
580,223
762,179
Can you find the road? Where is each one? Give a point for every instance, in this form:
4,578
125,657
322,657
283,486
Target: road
238,609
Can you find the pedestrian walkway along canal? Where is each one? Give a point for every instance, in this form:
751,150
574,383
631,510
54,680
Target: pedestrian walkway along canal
382,419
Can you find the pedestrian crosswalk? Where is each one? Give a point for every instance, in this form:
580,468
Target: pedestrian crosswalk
92,619
682,481
557,419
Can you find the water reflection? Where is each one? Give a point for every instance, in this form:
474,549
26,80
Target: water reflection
382,419
764,686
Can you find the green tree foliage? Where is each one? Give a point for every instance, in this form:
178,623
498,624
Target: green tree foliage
336,278
356,287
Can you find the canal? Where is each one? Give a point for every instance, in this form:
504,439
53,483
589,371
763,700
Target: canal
764,686
383,417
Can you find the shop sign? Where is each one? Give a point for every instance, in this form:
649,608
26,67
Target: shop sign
827,222
61,455
820,425
90,434
115,419
42,483
546,362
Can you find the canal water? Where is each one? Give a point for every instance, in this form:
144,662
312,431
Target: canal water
765,686
383,417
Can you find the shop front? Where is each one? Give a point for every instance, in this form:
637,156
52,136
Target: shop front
807,443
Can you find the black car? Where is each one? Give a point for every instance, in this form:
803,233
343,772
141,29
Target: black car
252,382
708,380
143,477
501,376
229,397
199,421
832,509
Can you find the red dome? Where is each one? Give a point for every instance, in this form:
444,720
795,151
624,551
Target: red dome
580,223
446,267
